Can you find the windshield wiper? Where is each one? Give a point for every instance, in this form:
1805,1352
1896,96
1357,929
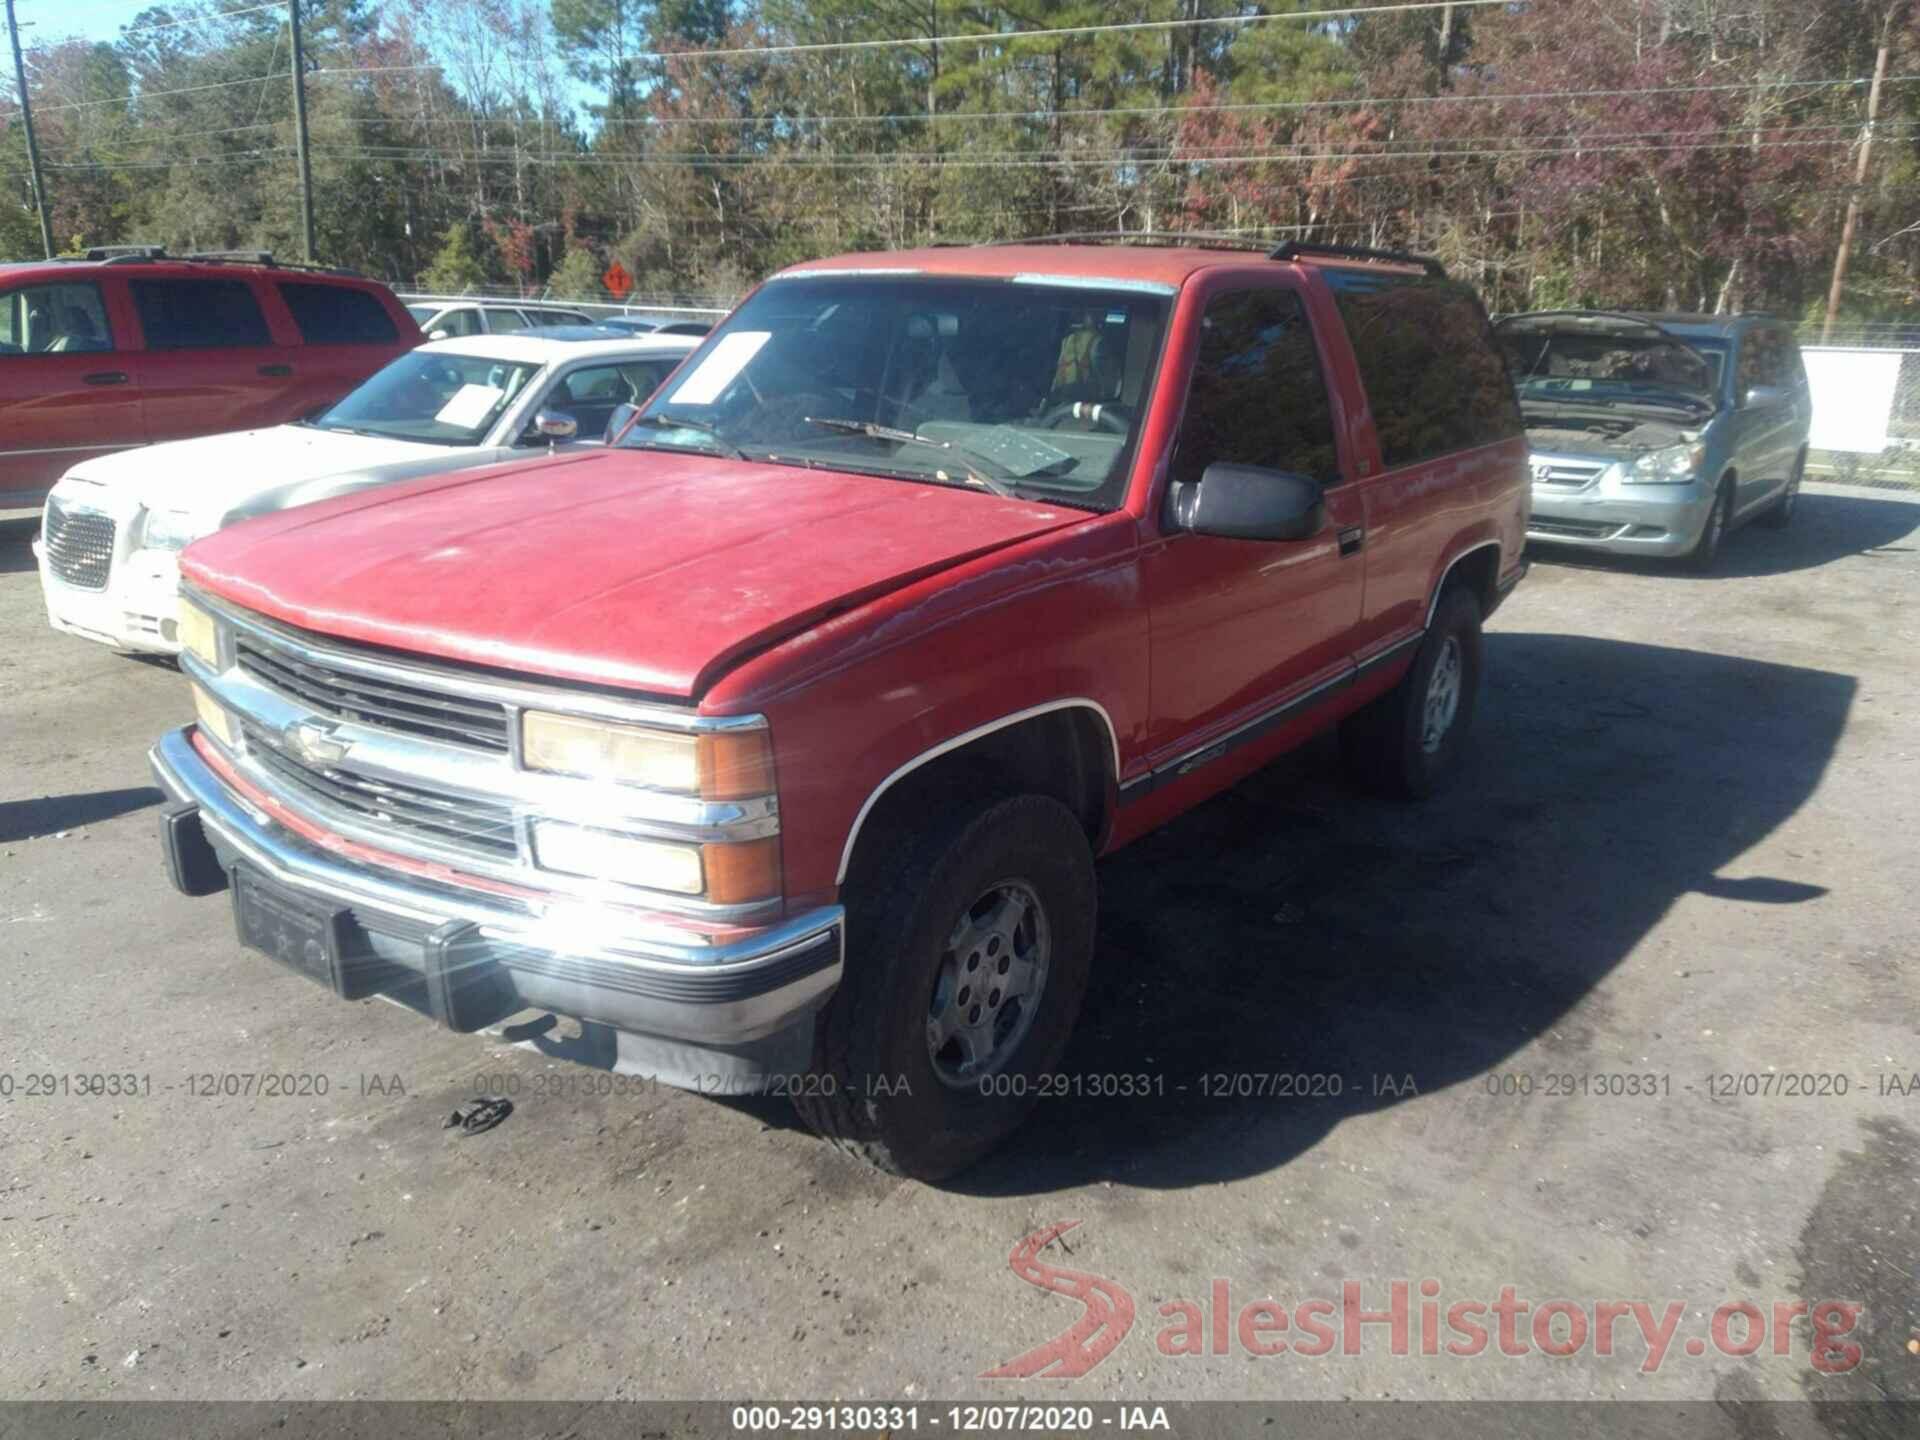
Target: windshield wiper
909,437
667,422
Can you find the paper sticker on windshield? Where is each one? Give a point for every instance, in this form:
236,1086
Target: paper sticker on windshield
716,372
469,406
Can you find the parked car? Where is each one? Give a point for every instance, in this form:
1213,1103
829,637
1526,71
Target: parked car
633,324
448,320
1659,434
124,347
776,744
685,327
114,525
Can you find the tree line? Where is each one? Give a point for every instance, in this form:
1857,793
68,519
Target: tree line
1673,153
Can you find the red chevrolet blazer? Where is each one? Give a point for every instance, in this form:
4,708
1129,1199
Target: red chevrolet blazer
775,743
125,347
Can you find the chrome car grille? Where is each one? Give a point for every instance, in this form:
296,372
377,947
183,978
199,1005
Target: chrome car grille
1569,473
459,823
79,545
387,704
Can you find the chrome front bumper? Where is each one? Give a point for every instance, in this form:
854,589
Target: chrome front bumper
683,1009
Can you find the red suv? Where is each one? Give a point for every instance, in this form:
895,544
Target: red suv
775,741
125,347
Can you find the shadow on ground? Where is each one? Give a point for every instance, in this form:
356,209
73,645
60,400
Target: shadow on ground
1825,528
49,815
1291,927
16,543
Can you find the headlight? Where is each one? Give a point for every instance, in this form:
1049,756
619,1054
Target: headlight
728,765
169,530
737,873
199,634
1673,465
213,716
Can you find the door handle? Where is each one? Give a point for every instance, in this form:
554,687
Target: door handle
276,371
1351,539
106,377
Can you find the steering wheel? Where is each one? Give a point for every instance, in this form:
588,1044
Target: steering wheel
1109,418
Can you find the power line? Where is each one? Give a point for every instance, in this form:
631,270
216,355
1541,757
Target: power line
1348,102
1008,36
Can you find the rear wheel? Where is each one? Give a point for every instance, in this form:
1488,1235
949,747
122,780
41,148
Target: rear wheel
1706,550
1410,741
967,960
1780,514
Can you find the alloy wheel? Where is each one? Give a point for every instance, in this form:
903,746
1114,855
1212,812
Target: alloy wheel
987,989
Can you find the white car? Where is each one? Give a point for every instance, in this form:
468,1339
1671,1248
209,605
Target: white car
114,526
450,319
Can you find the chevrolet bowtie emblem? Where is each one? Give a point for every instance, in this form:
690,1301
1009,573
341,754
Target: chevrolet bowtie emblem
314,742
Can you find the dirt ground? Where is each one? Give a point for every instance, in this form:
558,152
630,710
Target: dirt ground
1685,852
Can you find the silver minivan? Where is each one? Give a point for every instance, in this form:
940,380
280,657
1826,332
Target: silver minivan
1658,434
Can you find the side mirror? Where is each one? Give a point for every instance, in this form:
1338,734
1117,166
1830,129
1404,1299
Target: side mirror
617,421
436,334
1249,502
1761,397
555,425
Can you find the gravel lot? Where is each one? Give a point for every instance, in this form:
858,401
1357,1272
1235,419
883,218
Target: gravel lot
1685,849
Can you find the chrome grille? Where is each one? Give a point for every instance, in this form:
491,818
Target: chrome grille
79,545
1569,473
481,828
387,704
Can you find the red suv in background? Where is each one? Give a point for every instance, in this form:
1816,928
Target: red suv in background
126,347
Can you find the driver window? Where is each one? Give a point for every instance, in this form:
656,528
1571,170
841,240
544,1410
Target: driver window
1257,396
54,320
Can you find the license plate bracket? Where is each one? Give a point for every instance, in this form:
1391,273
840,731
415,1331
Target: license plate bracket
307,936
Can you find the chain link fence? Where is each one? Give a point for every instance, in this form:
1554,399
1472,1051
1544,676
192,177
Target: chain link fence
1866,405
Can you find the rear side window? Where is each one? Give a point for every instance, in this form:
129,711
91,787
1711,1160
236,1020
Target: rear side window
199,314
501,321
53,320
338,315
1257,397
1435,380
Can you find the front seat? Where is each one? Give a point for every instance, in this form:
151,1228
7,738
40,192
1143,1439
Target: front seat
81,333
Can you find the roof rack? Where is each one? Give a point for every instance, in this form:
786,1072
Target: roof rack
246,257
136,254
1306,250
1200,238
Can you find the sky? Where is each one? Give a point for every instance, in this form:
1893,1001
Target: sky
44,20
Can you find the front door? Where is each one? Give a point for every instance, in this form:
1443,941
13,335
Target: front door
1245,631
66,386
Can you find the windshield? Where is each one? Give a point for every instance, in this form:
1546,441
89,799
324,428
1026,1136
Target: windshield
422,313
1600,368
1031,389
433,397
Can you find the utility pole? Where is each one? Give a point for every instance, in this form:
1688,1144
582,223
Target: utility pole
26,123
299,125
1852,224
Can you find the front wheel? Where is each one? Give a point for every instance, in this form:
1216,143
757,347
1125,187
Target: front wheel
1410,741
967,962
1706,550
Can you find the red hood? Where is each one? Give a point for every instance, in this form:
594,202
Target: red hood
637,569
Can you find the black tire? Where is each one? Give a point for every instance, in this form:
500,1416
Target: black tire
888,1103
1706,550
1780,514
1387,745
